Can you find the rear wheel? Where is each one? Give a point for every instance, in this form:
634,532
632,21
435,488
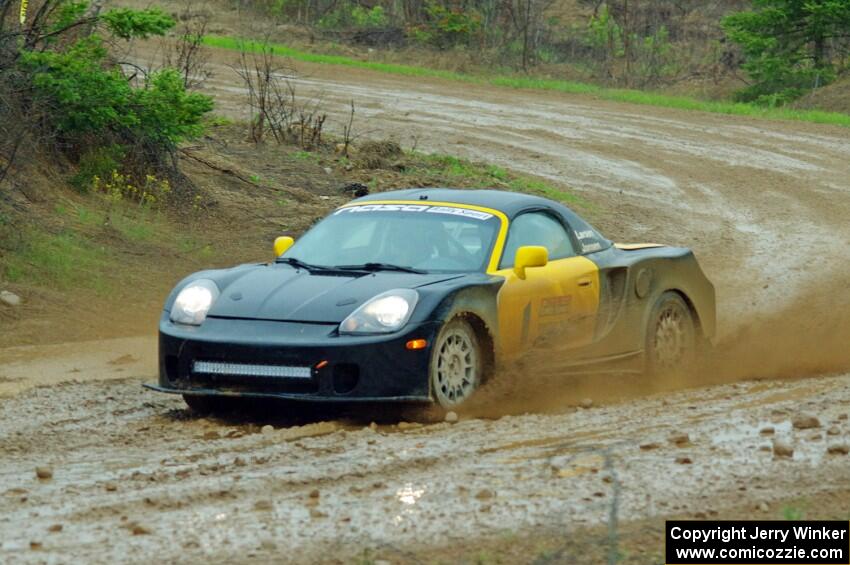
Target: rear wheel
670,336
211,404
456,364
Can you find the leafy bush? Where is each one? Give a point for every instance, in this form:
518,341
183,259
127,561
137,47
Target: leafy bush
348,16
166,112
605,34
84,95
127,24
645,58
446,27
655,56
81,95
75,97
97,162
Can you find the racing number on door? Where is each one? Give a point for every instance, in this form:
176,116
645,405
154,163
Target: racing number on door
555,305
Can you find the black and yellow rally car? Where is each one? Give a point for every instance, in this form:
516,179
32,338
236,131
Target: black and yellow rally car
418,295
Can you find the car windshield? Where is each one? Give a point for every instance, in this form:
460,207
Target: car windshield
413,236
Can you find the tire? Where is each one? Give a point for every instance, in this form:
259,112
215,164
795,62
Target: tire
456,366
211,404
671,337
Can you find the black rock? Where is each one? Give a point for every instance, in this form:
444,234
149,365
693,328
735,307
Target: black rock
355,189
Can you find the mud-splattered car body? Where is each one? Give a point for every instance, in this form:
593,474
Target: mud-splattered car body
281,329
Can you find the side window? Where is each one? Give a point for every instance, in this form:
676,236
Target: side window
537,228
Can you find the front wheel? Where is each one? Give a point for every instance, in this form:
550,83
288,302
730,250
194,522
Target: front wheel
456,364
670,337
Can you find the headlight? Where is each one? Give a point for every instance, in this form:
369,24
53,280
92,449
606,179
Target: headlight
385,313
193,302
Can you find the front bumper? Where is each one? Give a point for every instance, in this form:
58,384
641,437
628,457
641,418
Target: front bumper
341,368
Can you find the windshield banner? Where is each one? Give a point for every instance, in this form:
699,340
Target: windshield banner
416,208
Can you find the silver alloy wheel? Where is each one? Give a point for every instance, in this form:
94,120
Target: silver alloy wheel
455,366
672,336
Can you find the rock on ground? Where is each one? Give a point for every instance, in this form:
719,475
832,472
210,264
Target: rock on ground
10,298
44,472
805,422
840,449
782,449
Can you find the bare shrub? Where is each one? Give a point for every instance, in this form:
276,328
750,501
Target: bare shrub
12,130
272,100
185,51
348,132
526,17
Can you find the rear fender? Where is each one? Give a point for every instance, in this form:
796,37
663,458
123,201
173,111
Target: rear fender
633,280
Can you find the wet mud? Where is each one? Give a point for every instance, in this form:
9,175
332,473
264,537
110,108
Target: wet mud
133,473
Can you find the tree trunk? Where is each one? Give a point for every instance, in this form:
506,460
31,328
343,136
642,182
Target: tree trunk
627,44
525,35
820,51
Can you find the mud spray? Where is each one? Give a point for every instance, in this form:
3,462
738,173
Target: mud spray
808,337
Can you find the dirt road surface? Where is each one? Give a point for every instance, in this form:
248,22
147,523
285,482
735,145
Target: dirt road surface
136,477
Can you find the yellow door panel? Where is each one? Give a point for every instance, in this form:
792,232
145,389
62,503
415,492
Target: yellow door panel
554,306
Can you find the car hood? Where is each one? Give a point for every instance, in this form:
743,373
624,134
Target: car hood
283,293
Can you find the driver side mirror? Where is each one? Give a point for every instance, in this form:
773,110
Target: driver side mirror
281,244
529,256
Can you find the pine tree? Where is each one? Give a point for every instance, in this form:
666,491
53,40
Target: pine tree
791,46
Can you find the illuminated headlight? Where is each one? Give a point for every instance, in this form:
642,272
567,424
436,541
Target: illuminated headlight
193,302
385,313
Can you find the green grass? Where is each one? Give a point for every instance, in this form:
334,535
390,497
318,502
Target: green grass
61,261
793,512
90,218
284,51
81,253
189,245
140,227
467,173
215,120
510,81
302,155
